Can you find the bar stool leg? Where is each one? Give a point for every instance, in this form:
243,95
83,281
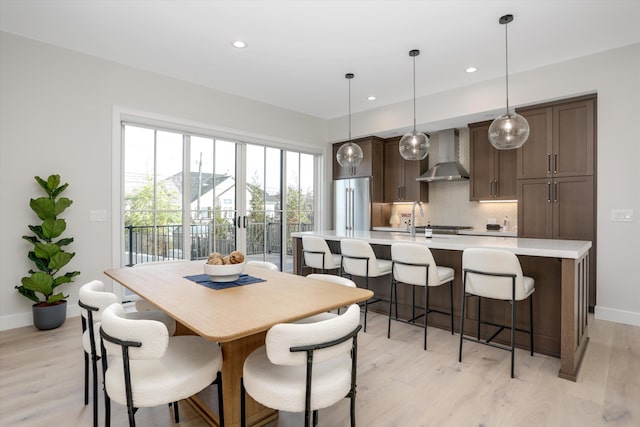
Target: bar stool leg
462,313
451,304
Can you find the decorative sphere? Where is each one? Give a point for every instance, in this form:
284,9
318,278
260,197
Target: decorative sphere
509,131
414,146
349,154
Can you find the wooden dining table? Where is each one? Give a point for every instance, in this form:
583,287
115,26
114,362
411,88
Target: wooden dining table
238,317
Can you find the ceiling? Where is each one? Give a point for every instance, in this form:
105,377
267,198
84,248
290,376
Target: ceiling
299,51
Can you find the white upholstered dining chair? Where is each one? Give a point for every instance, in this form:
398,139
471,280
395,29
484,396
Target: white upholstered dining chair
263,264
338,280
147,367
93,299
305,367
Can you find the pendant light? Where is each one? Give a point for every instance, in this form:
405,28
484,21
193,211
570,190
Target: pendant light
510,130
414,145
349,155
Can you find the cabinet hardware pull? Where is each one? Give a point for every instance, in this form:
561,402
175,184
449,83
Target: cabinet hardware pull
548,192
548,163
555,192
555,162
497,188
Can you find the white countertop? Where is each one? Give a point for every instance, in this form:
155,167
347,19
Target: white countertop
472,232
533,247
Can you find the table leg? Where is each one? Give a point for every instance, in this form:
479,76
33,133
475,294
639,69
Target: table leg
234,354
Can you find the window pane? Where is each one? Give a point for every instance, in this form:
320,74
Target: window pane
225,210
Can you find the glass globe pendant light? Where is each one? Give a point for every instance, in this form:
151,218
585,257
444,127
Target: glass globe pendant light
414,145
349,155
510,130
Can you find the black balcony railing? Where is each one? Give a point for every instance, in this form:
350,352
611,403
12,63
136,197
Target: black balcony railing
147,243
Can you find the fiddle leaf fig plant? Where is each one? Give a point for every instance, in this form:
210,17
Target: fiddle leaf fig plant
48,252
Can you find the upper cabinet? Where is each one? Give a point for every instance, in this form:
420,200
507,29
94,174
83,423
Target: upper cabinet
372,165
493,172
373,151
561,140
400,175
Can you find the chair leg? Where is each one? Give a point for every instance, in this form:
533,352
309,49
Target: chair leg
513,330
176,412
451,304
426,312
86,378
220,401
531,322
390,308
132,417
413,305
107,400
366,304
462,315
479,301
243,408
94,367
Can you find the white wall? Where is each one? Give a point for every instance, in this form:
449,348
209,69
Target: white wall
56,110
615,77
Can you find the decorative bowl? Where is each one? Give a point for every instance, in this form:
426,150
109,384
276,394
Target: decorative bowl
224,273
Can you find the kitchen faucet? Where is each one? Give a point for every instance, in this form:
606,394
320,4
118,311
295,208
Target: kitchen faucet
412,226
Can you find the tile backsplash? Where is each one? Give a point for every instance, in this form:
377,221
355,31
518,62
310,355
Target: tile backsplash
449,201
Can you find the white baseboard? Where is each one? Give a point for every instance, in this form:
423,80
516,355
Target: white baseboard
21,320
618,316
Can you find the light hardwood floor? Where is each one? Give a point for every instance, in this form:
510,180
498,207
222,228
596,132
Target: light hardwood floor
399,384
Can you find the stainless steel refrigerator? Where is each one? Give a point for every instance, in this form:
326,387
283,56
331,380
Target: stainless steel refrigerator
352,204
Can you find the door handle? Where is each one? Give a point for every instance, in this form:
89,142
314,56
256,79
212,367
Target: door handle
237,222
245,222
555,192
548,192
555,162
548,163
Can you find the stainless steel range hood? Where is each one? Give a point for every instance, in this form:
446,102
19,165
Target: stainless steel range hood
448,167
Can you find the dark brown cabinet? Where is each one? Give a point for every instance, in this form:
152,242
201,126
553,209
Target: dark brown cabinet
373,151
556,170
400,175
561,140
561,208
493,172
372,165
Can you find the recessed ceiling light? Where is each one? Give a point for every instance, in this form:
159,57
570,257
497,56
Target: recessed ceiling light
471,70
239,44
371,98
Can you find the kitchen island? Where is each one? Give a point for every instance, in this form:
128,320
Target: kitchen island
560,269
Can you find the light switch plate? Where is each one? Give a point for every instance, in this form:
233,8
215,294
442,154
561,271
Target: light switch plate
625,215
97,215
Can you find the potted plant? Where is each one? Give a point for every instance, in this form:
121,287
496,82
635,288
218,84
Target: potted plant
49,257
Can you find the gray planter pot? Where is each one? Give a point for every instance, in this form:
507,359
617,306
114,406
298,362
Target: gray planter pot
49,316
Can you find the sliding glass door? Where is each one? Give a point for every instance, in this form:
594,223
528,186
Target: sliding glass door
188,195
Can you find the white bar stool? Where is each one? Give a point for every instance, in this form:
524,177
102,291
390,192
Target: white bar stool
496,274
358,259
316,254
414,265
